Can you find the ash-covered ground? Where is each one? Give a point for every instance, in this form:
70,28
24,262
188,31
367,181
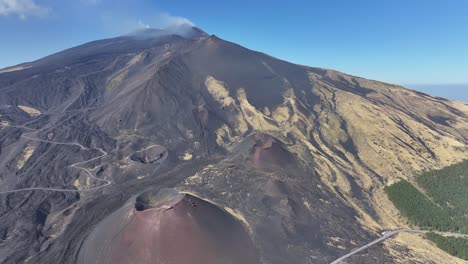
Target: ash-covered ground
268,161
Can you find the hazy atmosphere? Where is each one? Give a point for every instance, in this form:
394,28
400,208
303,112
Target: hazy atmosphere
457,92
407,43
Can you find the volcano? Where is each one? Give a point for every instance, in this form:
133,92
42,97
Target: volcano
267,161
169,227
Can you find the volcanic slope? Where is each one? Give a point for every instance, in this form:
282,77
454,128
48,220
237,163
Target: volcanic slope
169,227
296,155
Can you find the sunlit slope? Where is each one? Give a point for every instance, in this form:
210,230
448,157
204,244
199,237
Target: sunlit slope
298,155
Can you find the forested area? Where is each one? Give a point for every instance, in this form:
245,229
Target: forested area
445,208
448,187
453,245
418,208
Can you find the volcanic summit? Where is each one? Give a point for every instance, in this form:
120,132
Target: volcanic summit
266,161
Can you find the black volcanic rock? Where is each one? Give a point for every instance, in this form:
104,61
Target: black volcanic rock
278,161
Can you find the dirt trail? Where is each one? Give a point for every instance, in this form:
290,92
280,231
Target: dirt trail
75,165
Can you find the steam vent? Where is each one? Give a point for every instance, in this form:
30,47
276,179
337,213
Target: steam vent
168,227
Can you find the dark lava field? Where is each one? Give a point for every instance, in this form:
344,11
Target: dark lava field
186,148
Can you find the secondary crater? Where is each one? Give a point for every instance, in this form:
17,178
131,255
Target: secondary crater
159,200
165,226
149,155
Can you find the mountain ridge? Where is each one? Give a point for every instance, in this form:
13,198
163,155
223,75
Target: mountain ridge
293,151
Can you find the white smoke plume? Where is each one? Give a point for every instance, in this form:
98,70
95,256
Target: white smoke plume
166,21
124,23
142,25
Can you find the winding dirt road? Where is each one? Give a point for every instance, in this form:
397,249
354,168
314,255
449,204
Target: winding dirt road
389,234
75,165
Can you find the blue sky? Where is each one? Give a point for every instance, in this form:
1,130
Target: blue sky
403,42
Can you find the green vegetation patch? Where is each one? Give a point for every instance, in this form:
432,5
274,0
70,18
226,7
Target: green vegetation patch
445,208
448,187
455,246
417,207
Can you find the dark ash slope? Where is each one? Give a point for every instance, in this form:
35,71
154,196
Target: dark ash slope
274,145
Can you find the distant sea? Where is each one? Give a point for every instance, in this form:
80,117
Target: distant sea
457,92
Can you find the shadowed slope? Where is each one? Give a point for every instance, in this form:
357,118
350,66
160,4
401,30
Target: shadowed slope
268,151
192,101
